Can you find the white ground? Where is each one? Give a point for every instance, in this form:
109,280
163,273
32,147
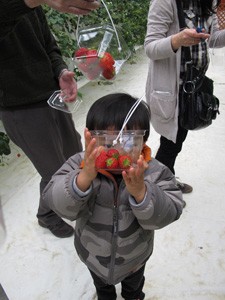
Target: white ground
188,262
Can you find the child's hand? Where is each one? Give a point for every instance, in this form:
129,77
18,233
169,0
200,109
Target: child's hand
134,179
88,173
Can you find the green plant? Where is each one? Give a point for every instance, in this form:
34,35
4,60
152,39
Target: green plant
4,146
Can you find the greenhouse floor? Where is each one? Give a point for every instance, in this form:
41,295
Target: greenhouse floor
188,262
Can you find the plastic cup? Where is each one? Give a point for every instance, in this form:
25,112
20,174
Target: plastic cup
58,101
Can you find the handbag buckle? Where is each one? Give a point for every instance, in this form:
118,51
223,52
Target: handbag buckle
189,87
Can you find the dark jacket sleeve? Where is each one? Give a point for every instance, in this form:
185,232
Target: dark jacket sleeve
51,46
12,10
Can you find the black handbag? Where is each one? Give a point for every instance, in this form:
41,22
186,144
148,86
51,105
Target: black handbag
197,104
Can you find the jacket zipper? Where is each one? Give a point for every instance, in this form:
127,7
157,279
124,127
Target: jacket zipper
114,238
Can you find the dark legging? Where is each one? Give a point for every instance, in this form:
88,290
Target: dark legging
168,150
131,287
48,138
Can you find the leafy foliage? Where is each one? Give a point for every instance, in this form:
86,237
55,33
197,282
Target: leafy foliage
4,146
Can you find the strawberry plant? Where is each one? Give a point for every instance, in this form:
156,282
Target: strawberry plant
4,147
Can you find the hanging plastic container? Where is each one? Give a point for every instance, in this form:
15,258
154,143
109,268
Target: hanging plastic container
58,101
101,51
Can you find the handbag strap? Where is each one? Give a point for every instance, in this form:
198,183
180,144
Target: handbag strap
187,52
183,25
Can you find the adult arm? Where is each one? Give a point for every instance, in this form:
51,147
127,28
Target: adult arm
164,37
217,37
160,26
14,9
78,7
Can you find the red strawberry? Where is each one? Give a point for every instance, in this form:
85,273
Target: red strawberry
125,161
92,56
100,162
113,153
92,69
107,64
111,163
81,52
107,60
109,72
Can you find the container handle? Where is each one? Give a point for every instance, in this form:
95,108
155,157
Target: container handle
113,25
128,116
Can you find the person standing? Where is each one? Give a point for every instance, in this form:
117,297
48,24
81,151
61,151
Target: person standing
117,212
32,68
164,45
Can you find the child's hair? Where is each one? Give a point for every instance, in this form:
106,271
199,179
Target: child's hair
111,110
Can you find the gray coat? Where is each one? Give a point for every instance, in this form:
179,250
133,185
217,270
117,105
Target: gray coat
163,80
113,234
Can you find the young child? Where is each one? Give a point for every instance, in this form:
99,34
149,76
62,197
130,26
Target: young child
116,214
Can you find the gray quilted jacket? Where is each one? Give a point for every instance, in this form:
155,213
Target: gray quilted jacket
113,234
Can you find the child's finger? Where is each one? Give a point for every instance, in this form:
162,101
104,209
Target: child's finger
87,137
131,175
91,147
91,158
140,166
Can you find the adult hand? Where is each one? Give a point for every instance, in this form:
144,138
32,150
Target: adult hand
77,7
134,179
68,85
187,37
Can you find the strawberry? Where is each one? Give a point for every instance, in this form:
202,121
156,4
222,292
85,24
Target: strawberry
91,66
109,73
81,52
111,163
87,61
107,60
92,56
100,162
107,64
113,153
125,161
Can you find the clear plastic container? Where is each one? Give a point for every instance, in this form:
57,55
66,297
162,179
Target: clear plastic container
58,101
101,52
125,149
